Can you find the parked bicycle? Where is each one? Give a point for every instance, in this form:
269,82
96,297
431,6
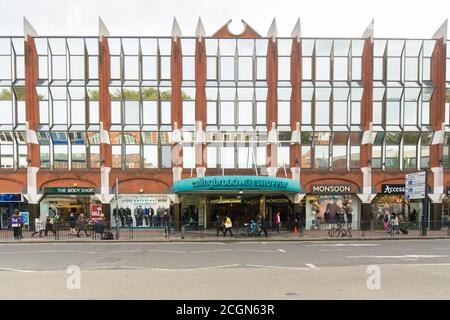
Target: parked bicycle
251,229
339,231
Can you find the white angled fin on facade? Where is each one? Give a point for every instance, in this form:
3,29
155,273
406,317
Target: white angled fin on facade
102,29
272,33
368,33
176,31
200,30
28,29
441,33
297,31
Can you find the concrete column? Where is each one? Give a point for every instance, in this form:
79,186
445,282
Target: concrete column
272,100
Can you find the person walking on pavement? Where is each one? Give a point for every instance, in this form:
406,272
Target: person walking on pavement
39,227
219,225
82,225
72,223
228,226
167,221
16,224
277,221
49,222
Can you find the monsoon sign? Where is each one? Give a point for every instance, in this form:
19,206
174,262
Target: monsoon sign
236,183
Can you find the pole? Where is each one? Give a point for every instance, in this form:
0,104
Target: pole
425,207
116,218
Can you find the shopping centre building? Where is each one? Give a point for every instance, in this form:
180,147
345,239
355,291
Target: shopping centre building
223,123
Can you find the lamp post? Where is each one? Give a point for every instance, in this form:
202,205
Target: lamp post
116,218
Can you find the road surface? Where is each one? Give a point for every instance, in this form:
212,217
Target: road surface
413,269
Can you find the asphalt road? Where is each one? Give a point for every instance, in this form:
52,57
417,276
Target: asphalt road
415,269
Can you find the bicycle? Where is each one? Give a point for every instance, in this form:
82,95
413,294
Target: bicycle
339,232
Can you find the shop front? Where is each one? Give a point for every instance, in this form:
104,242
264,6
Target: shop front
60,202
392,200
325,200
139,210
8,203
242,198
446,208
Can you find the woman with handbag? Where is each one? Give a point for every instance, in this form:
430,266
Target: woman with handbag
228,226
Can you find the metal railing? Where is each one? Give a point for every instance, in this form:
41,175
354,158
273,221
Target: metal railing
211,230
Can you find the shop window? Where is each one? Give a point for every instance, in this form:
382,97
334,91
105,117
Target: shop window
78,156
227,157
283,155
94,157
44,151
166,156
7,156
60,157
188,113
150,156
189,157
116,156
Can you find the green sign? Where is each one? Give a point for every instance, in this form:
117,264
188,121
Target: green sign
69,190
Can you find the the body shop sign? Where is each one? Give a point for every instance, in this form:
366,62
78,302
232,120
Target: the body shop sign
331,188
393,189
69,190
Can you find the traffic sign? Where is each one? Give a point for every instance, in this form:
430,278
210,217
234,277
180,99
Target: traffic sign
415,185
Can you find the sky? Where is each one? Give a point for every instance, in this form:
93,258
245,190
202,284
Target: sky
319,18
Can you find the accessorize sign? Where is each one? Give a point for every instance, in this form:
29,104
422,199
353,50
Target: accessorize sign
236,183
331,188
69,190
393,188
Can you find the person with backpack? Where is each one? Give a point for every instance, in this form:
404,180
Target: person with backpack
219,225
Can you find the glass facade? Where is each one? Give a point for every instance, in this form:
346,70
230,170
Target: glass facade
236,88
402,95
13,148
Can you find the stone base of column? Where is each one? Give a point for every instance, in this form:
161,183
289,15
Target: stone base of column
435,216
366,216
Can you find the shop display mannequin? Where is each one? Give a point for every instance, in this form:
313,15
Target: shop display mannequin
146,215
122,216
128,217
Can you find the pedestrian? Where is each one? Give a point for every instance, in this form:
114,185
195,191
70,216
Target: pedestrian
72,223
16,224
167,221
219,225
81,222
277,221
228,226
386,221
99,227
394,223
265,227
49,222
39,227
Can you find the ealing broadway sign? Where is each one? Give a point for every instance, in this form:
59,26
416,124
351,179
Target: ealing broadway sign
236,183
69,190
331,188
393,189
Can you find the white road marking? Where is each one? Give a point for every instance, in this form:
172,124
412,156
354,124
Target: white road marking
345,245
277,267
264,251
407,256
311,266
166,251
18,270
281,250
208,251
178,270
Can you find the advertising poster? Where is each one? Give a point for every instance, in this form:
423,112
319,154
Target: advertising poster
95,212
